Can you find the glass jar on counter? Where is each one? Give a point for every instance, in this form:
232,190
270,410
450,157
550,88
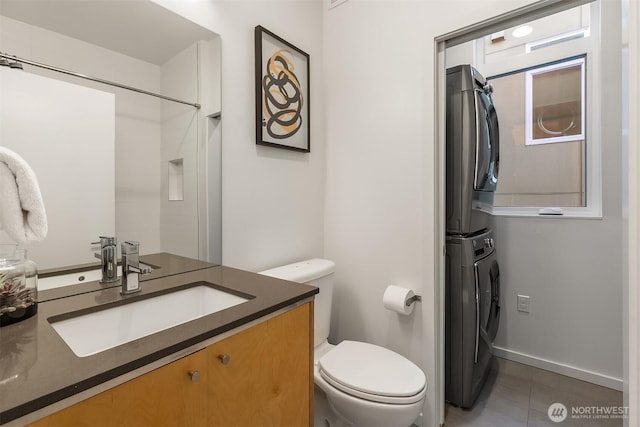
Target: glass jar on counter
30,271
18,298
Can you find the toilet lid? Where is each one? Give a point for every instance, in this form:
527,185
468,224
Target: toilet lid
372,372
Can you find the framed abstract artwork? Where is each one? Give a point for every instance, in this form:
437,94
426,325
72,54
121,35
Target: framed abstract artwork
282,93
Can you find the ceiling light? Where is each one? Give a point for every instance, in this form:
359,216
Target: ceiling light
522,31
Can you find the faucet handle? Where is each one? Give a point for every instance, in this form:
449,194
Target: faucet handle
105,241
132,267
131,256
140,269
130,247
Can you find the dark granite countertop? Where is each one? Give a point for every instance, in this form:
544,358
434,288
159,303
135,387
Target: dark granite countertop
38,369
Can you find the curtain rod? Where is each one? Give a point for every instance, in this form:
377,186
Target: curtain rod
95,79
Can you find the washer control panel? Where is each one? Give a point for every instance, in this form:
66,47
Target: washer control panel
483,244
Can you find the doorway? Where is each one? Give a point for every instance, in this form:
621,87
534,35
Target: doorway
548,258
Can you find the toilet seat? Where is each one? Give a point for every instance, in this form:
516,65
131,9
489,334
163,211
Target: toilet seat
372,373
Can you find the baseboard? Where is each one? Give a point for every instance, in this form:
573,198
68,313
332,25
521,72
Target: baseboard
560,368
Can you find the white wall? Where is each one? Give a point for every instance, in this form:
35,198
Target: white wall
178,222
272,199
631,215
137,151
572,269
381,209
210,214
210,76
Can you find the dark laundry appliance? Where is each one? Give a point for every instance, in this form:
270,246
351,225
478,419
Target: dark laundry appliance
472,316
472,275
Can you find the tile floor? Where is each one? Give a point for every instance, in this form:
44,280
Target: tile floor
518,395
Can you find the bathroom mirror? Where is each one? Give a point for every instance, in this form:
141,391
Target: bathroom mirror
112,161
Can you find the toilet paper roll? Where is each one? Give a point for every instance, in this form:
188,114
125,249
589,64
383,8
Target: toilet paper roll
395,299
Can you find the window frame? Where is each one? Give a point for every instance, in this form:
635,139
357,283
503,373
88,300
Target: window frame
560,38
529,75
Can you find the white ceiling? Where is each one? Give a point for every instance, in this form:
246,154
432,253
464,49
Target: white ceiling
138,28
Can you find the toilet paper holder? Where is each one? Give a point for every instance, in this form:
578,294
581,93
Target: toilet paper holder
413,299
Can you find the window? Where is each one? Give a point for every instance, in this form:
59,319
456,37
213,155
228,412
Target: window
555,103
547,93
542,138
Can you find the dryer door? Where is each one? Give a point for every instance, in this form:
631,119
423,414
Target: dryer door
487,141
487,298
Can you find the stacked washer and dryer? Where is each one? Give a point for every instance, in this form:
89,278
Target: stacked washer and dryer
472,284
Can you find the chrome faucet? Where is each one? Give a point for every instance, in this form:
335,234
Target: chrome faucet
132,267
108,256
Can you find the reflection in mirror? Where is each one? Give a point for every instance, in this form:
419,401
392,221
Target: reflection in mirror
111,161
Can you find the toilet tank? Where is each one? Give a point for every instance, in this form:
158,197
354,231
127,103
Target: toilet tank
315,272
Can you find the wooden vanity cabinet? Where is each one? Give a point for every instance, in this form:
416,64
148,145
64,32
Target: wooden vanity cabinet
267,379
262,376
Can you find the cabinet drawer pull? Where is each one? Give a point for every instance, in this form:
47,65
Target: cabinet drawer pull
224,358
195,376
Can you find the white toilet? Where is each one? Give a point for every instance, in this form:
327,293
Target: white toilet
365,385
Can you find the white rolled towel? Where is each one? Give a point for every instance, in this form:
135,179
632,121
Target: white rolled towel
22,212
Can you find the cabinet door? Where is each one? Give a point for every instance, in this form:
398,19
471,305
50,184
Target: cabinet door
262,376
95,411
164,397
169,396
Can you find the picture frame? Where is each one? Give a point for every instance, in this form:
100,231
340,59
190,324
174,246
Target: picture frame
282,93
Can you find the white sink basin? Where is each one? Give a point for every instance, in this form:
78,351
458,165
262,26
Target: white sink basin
71,279
101,330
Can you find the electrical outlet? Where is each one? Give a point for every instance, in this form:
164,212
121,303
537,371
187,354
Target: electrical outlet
523,303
